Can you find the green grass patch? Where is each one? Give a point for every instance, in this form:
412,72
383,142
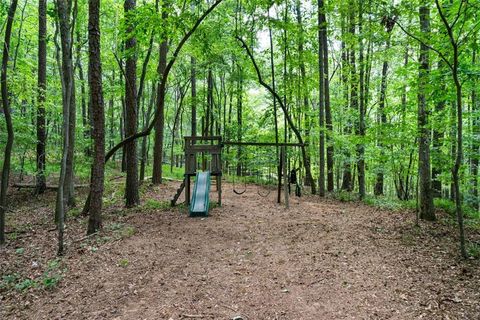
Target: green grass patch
153,204
119,231
123,263
344,196
389,203
473,250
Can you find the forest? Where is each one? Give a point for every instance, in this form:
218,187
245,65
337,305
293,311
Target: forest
355,119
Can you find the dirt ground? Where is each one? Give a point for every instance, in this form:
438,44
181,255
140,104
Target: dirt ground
250,259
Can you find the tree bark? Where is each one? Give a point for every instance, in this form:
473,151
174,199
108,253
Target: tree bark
132,197
98,117
41,184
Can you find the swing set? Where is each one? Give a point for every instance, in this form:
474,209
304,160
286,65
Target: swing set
197,148
281,166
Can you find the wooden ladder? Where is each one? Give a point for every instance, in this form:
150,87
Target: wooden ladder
177,195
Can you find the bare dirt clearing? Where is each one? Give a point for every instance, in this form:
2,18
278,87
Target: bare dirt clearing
252,258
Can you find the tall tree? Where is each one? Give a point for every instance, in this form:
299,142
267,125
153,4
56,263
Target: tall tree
454,64
361,110
388,24
328,111
425,200
63,8
304,95
8,119
160,124
69,192
42,87
193,80
474,158
98,116
321,107
132,197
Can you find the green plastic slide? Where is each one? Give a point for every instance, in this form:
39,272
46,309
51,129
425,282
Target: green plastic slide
201,195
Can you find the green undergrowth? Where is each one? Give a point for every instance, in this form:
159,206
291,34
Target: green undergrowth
344,196
473,249
153,204
390,203
449,207
49,279
472,216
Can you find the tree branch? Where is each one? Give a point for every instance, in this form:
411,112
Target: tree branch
267,86
165,74
411,35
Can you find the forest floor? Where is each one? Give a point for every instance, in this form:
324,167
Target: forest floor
250,259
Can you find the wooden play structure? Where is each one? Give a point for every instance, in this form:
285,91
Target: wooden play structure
197,150
203,159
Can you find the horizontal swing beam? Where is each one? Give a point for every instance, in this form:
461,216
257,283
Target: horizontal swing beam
263,144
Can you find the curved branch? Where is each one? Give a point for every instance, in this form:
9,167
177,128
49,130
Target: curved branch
165,74
411,35
285,112
275,94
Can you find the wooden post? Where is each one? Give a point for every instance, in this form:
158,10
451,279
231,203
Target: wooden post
219,189
187,189
285,174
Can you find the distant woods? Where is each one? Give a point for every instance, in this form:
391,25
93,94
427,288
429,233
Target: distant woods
384,97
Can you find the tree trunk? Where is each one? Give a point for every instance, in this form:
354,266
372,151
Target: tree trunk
86,109
454,42
8,120
210,103
160,123
239,120
63,10
361,112
132,197
474,159
328,112
69,192
438,133
144,150
193,80
98,116
309,181
41,184
321,88
426,209
388,23
275,120
347,183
